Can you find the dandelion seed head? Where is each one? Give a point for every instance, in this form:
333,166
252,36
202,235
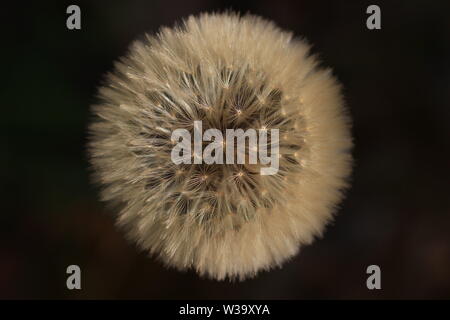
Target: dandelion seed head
222,220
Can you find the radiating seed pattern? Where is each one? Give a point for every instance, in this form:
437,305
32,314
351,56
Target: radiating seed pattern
230,72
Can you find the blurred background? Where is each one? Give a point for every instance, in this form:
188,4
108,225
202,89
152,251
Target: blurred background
396,215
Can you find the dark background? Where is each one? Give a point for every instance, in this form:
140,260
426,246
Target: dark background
396,214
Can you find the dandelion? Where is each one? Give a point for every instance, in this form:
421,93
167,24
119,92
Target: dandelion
228,71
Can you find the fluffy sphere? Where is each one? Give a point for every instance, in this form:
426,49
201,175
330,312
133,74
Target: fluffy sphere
230,72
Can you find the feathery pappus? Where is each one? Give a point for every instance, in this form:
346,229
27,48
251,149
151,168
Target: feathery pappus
229,72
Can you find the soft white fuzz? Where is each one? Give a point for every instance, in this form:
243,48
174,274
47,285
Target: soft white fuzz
230,72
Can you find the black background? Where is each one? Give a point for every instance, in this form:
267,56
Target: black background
396,214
